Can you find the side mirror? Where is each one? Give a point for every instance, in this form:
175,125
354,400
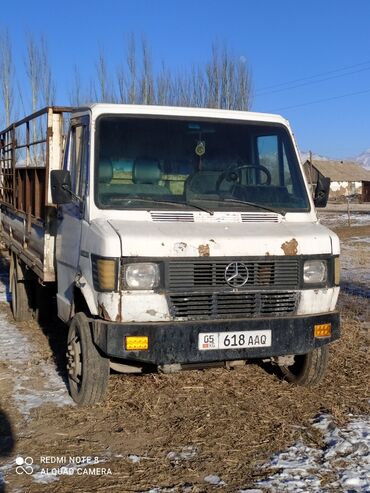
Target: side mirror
61,192
322,191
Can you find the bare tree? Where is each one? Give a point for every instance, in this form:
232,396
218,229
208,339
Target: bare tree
47,84
213,77
127,74
198,87
39,73
224,81
42,90
228,81
7,76
104,91
244,86
33,71
163,86
75,95
182,92
121,84
146,83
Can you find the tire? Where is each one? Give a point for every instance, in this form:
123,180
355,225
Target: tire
21,307
308,369
88,370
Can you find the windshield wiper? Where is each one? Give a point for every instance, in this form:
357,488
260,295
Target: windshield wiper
172,202
255,204
243,202
191,204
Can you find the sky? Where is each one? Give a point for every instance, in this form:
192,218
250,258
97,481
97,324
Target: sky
310,60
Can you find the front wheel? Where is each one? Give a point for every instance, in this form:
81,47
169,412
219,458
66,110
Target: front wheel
307,369
88,370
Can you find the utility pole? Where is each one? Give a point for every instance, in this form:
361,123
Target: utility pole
310,170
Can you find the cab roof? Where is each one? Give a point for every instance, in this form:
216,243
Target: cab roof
98,109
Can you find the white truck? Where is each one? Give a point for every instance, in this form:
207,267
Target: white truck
173,238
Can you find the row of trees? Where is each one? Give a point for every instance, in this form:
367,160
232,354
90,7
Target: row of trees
224,81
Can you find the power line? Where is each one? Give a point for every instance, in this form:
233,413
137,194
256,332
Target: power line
321,100
273,86
311,82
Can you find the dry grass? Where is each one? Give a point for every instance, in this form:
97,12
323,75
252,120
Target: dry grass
233,419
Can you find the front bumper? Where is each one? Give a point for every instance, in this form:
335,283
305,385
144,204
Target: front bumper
177,342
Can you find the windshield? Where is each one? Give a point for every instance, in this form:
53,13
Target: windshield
163,163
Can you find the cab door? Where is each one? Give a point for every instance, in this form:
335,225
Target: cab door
71,216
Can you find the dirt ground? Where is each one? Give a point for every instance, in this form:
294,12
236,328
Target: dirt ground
345,232
172,431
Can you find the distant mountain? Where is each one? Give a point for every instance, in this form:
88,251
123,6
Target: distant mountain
364,159
316,157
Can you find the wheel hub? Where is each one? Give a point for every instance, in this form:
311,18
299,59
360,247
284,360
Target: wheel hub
74,365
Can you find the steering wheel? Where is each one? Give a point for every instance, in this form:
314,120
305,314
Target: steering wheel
230,174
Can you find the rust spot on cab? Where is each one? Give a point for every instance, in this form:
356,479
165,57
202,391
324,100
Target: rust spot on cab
180,247
103,312
203,250
290,247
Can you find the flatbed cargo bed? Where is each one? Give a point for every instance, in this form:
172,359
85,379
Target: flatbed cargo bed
29,150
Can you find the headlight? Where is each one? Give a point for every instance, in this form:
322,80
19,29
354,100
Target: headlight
141,275
315,271
105,273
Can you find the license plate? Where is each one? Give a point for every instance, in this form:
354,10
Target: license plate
234,340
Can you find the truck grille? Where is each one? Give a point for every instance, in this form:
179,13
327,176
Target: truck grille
283,273
232,305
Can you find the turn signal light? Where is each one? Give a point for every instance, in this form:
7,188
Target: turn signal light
105,273
322,330
137,343
336,271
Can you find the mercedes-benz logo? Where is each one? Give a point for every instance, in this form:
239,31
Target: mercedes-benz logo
236,274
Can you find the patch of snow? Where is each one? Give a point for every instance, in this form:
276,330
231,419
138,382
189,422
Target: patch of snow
5,295
134,458
184,489
359,239
333,219
16,349
344,461
214,480
42,478
4,469
187,453
253,490
353,270
54,391
14,346
35,381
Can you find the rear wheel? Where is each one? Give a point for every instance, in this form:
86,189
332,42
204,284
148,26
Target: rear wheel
307,369
21,306
88,370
